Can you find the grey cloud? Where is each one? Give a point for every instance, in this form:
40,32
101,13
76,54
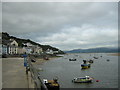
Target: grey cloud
77,38
0,17
62,24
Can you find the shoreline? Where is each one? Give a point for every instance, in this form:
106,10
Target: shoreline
115,54
40,61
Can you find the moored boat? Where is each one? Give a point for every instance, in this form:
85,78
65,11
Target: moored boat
90,61
72,59
86,79
51,84
85,66
33,60
95,57
107,60
46,58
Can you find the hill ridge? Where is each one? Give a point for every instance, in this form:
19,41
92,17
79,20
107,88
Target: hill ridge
6,36
95,50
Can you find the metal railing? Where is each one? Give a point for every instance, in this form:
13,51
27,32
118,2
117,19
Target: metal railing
38,83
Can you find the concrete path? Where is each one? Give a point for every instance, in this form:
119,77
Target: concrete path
14,74
0,73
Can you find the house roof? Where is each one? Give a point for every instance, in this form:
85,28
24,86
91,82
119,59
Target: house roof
6,42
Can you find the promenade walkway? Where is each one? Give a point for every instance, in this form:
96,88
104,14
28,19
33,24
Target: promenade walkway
14,74
0,73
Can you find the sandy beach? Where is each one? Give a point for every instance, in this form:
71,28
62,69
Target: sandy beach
115,54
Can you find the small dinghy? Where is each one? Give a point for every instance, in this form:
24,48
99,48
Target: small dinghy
72,59
95,57
107,60
90,61
33,60
46,58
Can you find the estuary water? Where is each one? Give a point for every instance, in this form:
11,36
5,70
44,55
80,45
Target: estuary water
104,71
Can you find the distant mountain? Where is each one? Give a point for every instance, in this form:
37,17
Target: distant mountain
94,50
6,36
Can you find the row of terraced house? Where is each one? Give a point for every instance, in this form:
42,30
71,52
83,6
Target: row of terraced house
11,47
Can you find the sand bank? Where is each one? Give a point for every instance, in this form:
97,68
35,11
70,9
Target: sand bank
115,54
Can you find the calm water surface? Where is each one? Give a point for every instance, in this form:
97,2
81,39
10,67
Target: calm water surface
104,71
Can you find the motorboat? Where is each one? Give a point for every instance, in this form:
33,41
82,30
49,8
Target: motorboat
51,84
95,57
90,61
40,69
107,60
86,79
33,60
85,64
46,58
72,59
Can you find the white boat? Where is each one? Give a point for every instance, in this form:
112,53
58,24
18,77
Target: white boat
40,69
86,79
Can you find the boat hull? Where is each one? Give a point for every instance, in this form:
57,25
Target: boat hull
83,81
72,59
85,66
51,84
90,61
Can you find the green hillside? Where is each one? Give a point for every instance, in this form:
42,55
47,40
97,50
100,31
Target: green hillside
6,36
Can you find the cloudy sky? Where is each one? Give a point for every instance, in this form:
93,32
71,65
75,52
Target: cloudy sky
65,25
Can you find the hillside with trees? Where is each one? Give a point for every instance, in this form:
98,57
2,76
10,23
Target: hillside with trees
6,36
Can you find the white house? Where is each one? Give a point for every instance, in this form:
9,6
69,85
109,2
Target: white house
49,51
12,47
21,50
28,44
28,50
36,49
55,51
